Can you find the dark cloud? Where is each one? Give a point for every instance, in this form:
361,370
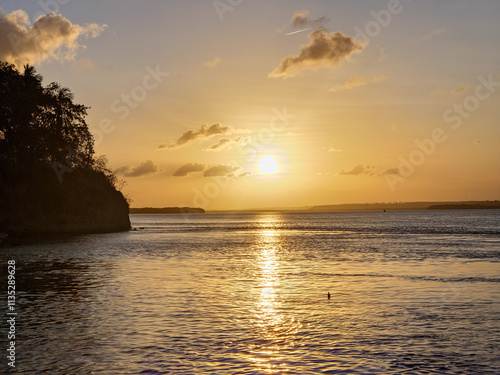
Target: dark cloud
50,36
358,170
148,167
301,19
391,171
227,143
221,170
323,49
204,131
189,168
219,146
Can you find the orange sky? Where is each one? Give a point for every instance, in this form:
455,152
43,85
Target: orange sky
356,101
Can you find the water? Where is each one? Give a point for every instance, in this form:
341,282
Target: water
411,293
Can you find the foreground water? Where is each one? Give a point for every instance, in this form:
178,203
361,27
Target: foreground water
411,293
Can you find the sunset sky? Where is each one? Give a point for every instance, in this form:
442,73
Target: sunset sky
351,101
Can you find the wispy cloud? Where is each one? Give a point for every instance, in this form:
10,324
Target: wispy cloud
189,168
379,78
323,49
357,82
212,63
301,19
383,55
222,170
334,149
433,34
205,131
143,169
51,36
359,170
459,89
455,91
391,171
227,143
351,83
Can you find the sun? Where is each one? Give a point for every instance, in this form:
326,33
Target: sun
268,164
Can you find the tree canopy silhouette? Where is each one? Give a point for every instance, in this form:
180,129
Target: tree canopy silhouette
50,179
41,123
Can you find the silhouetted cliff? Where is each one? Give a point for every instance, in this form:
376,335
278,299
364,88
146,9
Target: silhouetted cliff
38,203
50,181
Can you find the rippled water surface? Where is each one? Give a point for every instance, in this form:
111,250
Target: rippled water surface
411,293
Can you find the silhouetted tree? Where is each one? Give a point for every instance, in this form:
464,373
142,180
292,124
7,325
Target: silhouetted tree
41,124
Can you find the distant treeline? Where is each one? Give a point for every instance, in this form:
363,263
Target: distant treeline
391,206
167,210
467,206
50,179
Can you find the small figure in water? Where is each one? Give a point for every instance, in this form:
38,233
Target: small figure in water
328,295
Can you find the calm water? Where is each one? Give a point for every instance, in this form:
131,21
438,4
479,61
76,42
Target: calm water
411,293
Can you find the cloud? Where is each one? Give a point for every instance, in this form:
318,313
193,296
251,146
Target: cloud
334,149
219,146
391,171
357,82
358,170
379,78
433,34
227,143
455,91
148,167
212,63
189,168
204,131
459,89
83,64
301,19
323,49
221,171
51,36
383,55
351,83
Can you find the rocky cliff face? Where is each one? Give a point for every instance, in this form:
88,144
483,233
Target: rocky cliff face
84,201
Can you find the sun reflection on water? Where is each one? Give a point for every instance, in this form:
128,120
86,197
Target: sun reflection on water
270,320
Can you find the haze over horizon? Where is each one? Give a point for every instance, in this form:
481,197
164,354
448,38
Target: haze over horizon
239,105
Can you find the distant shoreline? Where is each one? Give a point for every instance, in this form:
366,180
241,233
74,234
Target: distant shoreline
167,210
393,206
